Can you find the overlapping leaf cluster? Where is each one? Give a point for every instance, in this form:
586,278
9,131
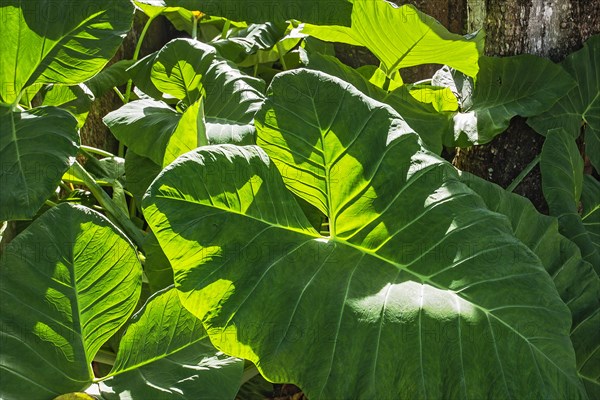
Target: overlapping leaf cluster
279,212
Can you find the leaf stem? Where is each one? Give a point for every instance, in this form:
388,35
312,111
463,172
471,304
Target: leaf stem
194,27
281,58
105,357
202,135
225,29
524,173
249,372
119,94
107,203
50,203
95,150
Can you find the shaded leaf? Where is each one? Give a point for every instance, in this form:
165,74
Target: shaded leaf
140,171
157,266
575,279
581,106
562,180
315,11
30,173
590,216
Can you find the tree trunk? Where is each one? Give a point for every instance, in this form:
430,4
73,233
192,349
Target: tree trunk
548,28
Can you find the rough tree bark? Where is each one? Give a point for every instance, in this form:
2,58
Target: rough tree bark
548,28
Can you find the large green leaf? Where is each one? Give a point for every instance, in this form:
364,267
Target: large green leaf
31,171
188,69
418,291
431,125
165,353
575,279
418,38
67,42
524,85
581,105
315,11
562,180
68,283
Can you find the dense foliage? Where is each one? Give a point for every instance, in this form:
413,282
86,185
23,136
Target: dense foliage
274,215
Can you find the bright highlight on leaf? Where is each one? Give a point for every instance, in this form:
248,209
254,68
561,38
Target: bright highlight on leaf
403,37
68,52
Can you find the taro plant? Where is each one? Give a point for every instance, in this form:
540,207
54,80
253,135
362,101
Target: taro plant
275,216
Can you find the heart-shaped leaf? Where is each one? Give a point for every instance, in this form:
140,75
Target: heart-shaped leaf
30,173
64,42
418,38
68,283
165,353
418,291
189,70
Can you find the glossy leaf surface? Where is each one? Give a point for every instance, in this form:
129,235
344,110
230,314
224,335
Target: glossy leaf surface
66,42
